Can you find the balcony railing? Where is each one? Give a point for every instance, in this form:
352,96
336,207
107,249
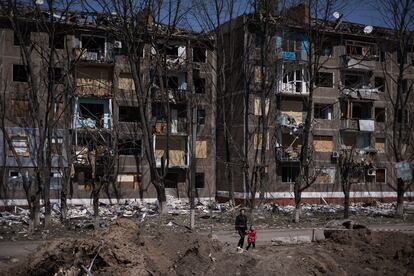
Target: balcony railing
358,62
367,125
93,55
288,155
293,88
89,123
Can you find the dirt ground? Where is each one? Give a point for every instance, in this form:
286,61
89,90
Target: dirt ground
125,248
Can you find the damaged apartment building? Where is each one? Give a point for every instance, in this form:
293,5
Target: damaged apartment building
99,135
350,110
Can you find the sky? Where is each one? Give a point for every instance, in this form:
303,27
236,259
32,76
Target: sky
364,12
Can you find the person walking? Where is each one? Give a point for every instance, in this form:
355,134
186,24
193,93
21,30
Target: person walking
251,238
241,227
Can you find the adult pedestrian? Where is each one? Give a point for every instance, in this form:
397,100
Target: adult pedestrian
241,228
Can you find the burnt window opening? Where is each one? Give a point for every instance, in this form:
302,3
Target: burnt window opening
129,114
168,50
199,54
380,175
355,80
92,111
130,147
201,117
24,39
200,85
20,73
289,174
361,111
380,83
199,181
324,79
362,50
323,111
380,115
172,82
57,40
93,43
171,180
55,75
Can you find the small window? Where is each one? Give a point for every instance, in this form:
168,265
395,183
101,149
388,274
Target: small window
199,54
201,117
20,73
323,111
14,174
380,115
324,79
24,39
199,181
289,174
55,75
58,41
380,144
380,176
380,83
130,147
57,146
129,114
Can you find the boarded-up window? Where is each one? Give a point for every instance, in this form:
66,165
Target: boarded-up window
93,81
177,150
323,143
126,82
380,176
21,108
380,144
257,74
258,141
20,145
201,149
258,106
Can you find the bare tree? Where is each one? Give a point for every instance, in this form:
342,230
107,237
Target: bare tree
399,16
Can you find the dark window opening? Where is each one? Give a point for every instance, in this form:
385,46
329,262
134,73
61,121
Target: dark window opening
289,174
171,180
14,174
92,111
326,49
379,115
380,176
323,111
55,75
158,112
58,41
93,43
130,147
380,83
172,82
169,50
361,111
324,79
354,81
199,54
129,114
201,116
25,39
20,73
199,181
200,85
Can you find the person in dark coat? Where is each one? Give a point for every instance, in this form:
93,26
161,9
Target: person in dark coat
241,227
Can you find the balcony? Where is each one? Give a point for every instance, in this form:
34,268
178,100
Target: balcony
365,92
92,114
288,155
293,88
93,55
367,125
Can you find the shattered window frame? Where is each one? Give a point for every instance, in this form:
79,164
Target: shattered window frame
324,79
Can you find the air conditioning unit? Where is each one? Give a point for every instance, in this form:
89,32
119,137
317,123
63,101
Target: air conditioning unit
372,172
335,154
118,44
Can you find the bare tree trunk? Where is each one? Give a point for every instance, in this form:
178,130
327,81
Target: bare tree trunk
162,199
298,204
346,204
399,212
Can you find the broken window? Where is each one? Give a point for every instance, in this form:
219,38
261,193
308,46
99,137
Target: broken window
171,51
355,80
359,140
380,83
258,106
294,80
323,143
324,79
130,147
55,75
172,82
380,144
201,116
129,114
326,49
361,50
201,149
20,108
92,111
23,40
361,110
323,111
20,73
380,115
380,175
20,145
58,40
57,146
291,44
289,174
199,54
199,181
199,83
